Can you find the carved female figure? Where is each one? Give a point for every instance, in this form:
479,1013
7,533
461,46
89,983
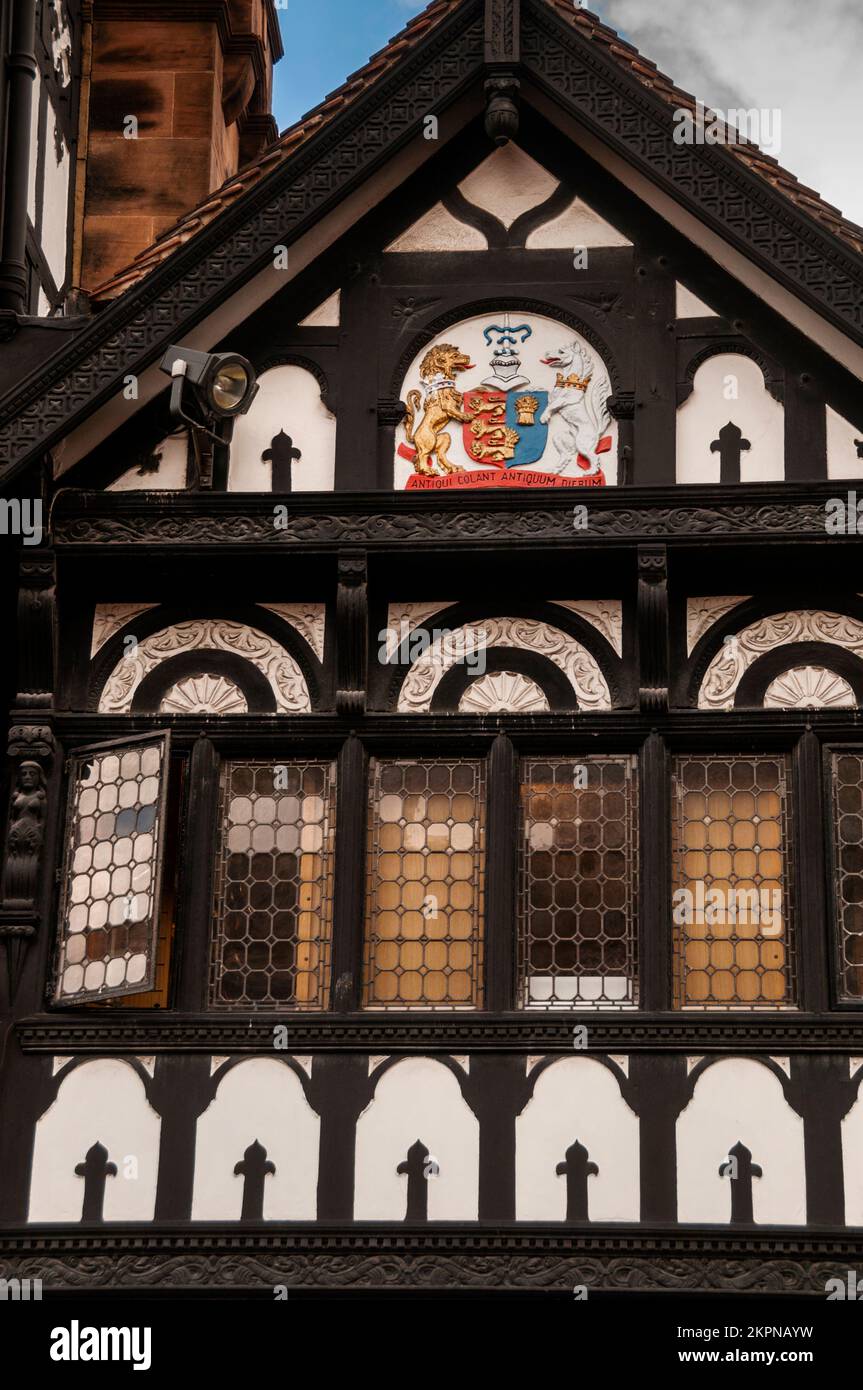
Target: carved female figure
26,832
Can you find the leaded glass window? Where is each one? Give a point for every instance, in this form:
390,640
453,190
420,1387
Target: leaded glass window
579,867
733,946
847,786
426,861
111,900
273,906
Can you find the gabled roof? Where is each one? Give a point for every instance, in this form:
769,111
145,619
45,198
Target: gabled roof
584,71
587,24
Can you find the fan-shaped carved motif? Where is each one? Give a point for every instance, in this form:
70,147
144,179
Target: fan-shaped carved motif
808,687
204,695
503,690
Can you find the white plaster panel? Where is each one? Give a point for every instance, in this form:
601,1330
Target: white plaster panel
327,315
852,1159
577,226
577,1098
508,183
260,1099
102,1101
760,418
438,230
739,1100
843,461
289,400
689,306
418,1098
170,475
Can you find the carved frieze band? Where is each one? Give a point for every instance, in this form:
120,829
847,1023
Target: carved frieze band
535,523
343,1259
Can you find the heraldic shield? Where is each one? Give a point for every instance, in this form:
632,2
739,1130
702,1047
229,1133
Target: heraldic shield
505,431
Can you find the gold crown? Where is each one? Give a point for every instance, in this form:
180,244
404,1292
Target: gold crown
580,382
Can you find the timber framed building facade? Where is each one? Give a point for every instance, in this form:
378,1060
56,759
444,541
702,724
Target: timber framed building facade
434,849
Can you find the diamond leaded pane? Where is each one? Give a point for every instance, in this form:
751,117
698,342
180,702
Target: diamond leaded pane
426,853
579,867
272,926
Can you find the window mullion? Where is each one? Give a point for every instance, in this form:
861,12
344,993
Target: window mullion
349,876
654,908
809,817
501,933
196,902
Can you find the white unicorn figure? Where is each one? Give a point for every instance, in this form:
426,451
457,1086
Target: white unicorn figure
577,412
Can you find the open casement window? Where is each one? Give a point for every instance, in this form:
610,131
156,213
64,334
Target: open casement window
115,924
731,842
579,870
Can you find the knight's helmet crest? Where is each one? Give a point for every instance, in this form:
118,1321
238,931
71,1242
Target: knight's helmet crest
505,361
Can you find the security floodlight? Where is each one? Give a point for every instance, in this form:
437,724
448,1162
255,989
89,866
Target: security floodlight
223,383
210,390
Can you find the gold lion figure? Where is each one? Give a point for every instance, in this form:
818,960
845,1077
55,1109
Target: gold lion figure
443,403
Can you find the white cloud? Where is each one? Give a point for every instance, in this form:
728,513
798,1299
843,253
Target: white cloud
798,58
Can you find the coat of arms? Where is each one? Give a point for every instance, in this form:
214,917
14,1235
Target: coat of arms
508,423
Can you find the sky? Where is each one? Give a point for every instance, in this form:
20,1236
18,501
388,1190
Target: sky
793,57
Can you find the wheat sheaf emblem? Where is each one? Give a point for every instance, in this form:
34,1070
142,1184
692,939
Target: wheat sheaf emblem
525,409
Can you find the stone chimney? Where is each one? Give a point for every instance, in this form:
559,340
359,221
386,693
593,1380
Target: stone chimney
176,97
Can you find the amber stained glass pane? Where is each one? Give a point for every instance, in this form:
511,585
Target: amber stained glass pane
274,886
426,853
733,946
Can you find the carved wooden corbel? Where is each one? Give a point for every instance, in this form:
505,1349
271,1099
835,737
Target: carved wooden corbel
36,630
352,633
653,657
